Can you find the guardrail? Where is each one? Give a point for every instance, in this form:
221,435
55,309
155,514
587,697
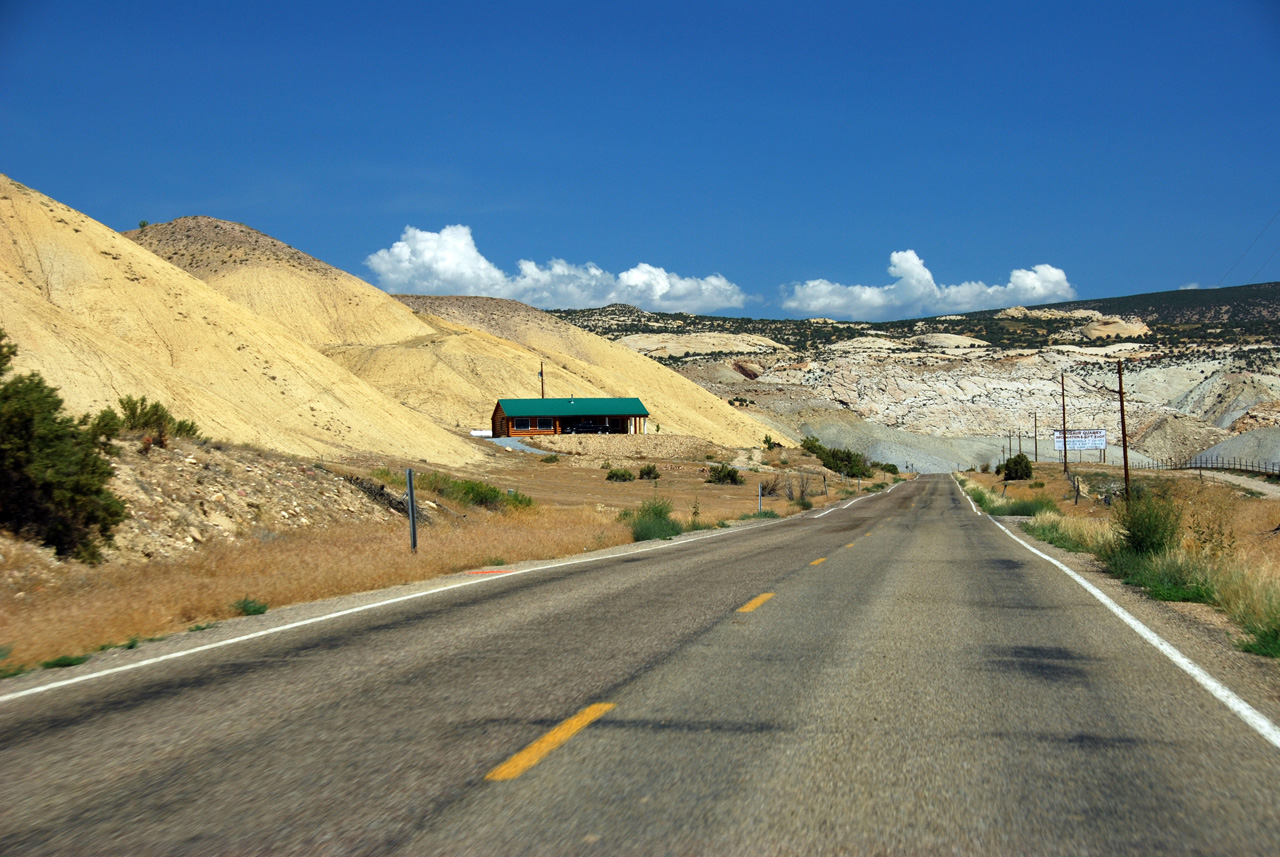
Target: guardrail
1216,462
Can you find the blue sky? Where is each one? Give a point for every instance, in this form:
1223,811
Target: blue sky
870,161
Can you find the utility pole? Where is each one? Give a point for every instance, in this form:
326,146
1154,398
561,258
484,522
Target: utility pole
1124,434
1035,433
1063,380
542,377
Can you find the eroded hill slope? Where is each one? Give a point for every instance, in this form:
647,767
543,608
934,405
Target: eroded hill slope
101,317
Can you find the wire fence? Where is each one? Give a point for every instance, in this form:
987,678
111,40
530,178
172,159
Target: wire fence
1216,462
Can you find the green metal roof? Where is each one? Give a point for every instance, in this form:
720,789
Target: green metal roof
575,407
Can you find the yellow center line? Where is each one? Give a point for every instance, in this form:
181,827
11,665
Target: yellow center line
755,602
849,545
532,755
819,561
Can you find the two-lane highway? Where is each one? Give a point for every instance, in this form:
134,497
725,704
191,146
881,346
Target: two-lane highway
892,675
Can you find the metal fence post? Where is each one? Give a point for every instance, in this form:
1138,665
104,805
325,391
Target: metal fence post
413,513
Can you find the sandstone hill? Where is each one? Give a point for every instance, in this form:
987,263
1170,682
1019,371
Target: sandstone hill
576,363
101,317
317,303
448,359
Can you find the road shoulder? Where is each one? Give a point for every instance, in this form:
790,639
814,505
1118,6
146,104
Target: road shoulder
1201,632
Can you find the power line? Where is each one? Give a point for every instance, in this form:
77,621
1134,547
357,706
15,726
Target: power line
1247,249
1265,264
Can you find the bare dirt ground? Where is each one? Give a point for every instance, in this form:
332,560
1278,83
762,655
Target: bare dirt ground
683,463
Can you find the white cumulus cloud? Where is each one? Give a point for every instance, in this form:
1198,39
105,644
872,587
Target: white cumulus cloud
916,294
448,263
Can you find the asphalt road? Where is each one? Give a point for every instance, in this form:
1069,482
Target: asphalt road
914,682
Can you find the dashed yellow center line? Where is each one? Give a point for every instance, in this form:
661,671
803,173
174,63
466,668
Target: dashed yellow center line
819,561
849,545
533,754
755,602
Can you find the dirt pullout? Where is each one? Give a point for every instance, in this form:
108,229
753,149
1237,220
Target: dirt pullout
596,448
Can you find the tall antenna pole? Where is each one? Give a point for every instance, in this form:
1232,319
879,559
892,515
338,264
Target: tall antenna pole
1124,434
1063,378
542,377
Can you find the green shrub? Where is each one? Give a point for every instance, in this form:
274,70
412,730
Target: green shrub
53,475
891,469
724,474
652,520
550,458
155,419
64,661
469,492
650,471
763,513
620,474
1151,522
248,607
803,502
1017,468
838,460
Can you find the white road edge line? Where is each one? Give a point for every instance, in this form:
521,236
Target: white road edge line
1221,692
966,495
851,502
266,632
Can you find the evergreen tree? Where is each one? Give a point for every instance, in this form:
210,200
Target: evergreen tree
53,475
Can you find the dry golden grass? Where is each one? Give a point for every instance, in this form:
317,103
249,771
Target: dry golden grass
83,609
1095,535
1247,587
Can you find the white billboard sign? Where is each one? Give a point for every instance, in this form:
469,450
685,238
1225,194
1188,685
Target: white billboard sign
1081,439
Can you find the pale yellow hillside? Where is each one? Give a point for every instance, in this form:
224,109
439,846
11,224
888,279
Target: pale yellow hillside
451,368
583,364
316,302
100,317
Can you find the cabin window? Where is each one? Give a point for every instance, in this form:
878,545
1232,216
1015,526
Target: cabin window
520,424
546,424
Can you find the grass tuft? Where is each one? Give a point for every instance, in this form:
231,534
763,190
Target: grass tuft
652,520
249,607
